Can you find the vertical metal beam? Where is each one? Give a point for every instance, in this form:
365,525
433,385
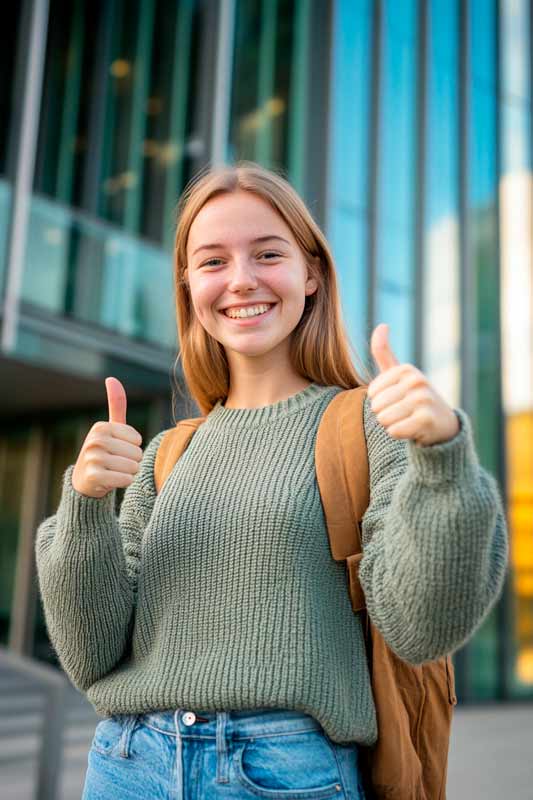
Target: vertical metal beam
223,82
31,91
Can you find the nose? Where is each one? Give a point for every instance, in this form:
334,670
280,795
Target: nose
242,275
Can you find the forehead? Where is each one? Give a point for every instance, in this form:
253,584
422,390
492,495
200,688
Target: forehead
234,219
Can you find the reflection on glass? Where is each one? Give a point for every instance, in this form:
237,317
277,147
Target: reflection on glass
516,192
91,271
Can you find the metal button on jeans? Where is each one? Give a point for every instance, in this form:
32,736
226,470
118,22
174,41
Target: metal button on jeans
189,718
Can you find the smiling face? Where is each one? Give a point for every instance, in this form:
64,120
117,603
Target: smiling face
241,252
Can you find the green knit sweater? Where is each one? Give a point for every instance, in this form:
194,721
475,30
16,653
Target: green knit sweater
221,593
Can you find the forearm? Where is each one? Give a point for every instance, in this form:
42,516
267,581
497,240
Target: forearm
87,597
436,562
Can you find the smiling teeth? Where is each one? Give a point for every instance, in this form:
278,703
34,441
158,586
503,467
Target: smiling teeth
251,311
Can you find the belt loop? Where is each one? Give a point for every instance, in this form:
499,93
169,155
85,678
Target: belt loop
128,726
222,718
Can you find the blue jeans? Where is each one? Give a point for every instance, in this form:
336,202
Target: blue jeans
279,754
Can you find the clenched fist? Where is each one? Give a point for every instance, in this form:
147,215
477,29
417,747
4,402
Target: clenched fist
111,453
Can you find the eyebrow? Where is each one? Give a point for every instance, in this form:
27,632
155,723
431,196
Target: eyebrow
253,241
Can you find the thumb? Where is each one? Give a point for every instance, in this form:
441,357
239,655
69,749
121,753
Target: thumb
381,349
116,400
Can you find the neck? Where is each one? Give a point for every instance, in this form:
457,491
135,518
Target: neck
254,391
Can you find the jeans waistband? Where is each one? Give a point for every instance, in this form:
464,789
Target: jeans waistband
238,724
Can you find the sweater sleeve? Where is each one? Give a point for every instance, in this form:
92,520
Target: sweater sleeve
87,566
435,542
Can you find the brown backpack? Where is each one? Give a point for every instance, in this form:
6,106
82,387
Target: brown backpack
414,704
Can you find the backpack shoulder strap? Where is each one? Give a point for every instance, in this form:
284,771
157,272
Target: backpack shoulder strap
341,463
171,446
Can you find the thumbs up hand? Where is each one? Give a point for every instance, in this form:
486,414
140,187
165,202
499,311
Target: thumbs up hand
111,453
404,401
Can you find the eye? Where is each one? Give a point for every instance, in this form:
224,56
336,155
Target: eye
270,253
261,255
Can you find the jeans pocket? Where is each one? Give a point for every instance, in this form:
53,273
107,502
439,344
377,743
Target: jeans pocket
297,766
112,736
107,735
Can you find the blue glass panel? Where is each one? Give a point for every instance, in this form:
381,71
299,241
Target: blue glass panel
441,282
395,308
348,237
351,104
397,172
482,45
347,224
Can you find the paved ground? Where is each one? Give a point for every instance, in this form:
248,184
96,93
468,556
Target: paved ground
491,750
491,753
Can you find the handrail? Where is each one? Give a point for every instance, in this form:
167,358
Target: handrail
55,685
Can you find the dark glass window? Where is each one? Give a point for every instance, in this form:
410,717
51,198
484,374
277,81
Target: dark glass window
117,110
262,81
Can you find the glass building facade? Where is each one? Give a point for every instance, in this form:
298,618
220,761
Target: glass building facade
407,128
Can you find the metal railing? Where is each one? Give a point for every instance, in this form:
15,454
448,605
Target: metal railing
54,684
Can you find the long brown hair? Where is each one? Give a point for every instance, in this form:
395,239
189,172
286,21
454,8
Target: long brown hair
320,347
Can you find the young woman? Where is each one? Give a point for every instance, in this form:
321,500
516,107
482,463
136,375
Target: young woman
209,624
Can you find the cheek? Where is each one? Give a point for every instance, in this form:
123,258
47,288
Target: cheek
204,297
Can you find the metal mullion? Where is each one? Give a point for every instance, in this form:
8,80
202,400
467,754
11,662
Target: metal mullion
137,127
31,80
71,106
266,87
179,88
223,82
299,96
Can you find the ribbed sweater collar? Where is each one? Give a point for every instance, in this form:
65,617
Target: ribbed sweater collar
220,416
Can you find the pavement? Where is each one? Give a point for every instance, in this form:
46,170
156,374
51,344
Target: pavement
491,753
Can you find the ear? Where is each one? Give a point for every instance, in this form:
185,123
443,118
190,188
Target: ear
311,283
186,275
311,286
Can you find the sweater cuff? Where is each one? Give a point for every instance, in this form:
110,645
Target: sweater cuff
78,510
453,460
